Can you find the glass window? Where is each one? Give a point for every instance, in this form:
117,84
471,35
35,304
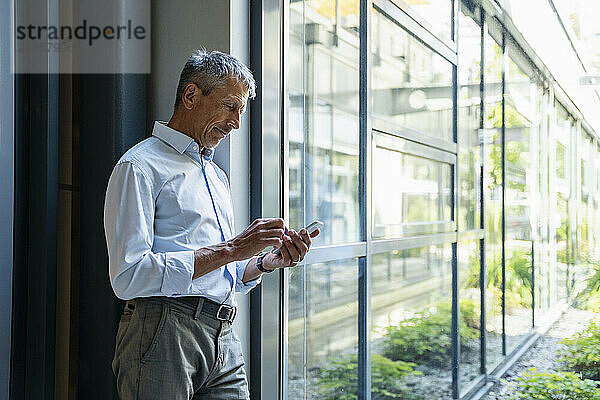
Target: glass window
585,214
412,194
436,15
469,111
561,161
564,245
411,85
493,199
323,330
521,203
323,119
411,319
563,248
469,294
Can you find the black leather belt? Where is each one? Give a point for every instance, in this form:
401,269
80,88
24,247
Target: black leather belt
220,312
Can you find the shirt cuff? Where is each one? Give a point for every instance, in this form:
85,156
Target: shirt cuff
240,286
179,270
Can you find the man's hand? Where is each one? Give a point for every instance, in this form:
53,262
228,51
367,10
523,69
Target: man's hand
294,248
256,237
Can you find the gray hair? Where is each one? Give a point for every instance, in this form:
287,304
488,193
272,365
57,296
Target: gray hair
210,70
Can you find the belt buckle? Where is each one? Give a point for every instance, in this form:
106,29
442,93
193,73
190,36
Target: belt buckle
226,307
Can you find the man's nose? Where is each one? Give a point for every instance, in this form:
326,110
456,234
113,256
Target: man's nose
234,122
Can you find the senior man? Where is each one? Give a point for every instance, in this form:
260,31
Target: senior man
172,251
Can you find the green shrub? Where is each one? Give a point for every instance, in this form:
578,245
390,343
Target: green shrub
554,386
582,353
339,381
426,338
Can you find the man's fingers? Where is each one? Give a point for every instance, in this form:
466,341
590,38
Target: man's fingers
270,223
289,245
278,232
285,254
315,233
275,242
305,237
299,244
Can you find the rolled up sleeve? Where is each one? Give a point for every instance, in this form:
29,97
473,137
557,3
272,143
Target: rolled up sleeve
240,286
135,271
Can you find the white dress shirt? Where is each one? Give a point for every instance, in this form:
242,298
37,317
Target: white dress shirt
158,210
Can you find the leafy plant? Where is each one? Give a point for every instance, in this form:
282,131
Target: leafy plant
339,381
554,386
582,353
518,279
426,338
589,297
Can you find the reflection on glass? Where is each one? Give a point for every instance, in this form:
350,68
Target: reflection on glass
436,13
408,192
565,128
521,108
323,118
563,250
411,85
411,319
470,312
322,330
468,122
586,207
493,199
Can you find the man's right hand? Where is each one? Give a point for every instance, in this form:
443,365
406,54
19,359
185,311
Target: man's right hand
257,236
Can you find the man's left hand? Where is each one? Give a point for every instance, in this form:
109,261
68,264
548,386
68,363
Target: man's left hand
294,248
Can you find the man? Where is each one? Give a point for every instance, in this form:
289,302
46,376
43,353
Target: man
172,252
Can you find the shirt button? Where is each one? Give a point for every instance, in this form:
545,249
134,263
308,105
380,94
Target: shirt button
195,147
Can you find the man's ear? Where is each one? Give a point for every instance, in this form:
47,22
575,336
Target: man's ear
191,95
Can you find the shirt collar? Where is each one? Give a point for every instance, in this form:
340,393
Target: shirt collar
178,140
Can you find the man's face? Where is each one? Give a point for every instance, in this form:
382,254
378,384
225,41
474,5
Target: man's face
216,115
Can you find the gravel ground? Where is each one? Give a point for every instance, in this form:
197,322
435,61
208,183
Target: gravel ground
543,354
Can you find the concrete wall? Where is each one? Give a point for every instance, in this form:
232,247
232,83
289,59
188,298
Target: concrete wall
177,30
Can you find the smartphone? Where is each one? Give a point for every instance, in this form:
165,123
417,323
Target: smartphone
310,228
313,226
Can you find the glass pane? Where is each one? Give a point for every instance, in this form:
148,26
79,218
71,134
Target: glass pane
411,85
323,119
436,13
585,249
468,123
323,330
564,130
543,262
411,307
521,205
562,246
408,192
469,293
493,200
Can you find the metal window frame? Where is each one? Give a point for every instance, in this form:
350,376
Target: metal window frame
365,203
383,126
482,264
266,369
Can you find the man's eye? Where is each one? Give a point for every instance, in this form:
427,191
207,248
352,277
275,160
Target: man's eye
230,107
